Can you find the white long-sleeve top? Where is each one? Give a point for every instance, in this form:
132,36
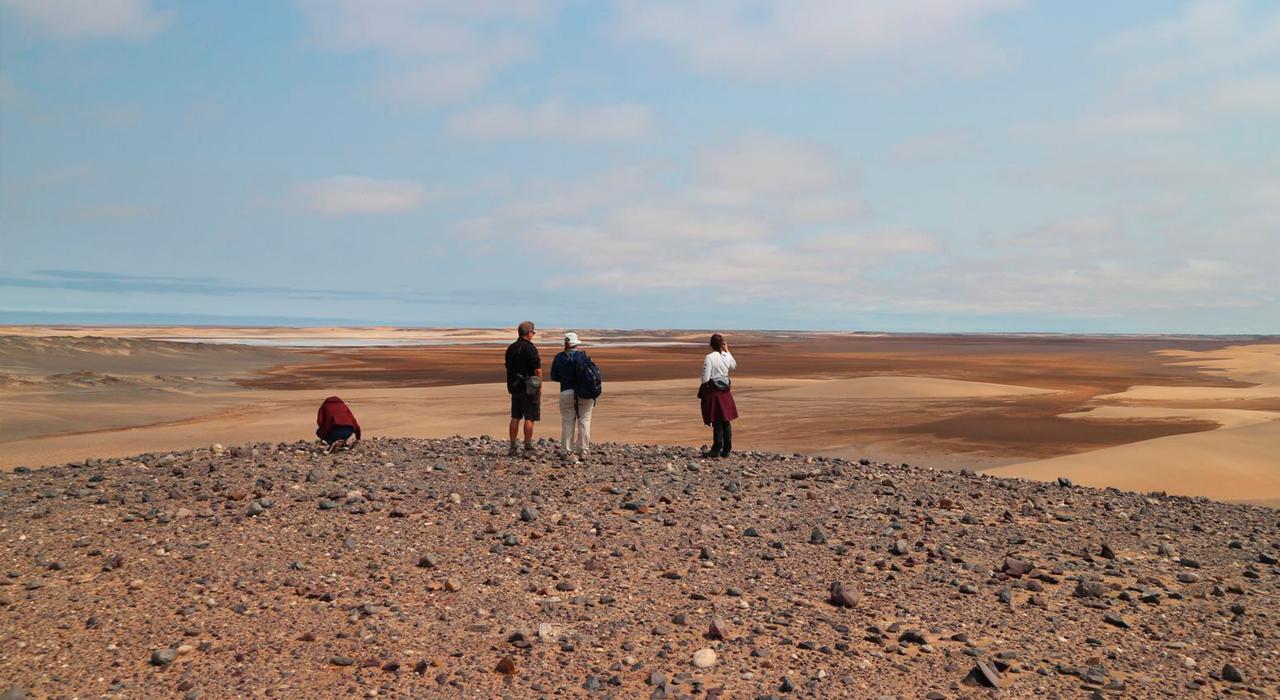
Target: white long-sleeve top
717,366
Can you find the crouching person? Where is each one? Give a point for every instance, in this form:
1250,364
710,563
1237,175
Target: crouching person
337,426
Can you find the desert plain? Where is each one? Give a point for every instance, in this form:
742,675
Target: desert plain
173,529
1186,415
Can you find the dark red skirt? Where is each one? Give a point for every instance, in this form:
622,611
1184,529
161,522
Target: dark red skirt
717,404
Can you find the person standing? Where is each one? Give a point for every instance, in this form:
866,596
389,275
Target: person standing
575,410
718,407
524,383
336,425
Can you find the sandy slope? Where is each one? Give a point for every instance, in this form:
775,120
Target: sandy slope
904,388
663,412
969,401
1238,462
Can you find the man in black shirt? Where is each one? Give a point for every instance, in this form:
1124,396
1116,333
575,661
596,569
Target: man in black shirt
524,365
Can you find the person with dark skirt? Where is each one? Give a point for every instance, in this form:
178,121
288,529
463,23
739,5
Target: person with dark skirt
718,408
337,425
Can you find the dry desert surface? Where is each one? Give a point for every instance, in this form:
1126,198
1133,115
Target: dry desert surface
1185,415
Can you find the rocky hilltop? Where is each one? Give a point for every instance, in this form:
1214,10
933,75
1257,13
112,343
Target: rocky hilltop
443,568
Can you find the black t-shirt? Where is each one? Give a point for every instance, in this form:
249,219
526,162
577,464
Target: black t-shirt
523,359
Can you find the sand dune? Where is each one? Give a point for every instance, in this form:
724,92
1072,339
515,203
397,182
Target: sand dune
1240,461
899,388
1105,411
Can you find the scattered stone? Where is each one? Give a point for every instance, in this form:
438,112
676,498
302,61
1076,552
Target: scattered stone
987,674
934,550
163,657
1090,589
844,596
720,629
1116,620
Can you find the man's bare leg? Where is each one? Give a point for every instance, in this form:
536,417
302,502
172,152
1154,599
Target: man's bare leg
512,431
528,435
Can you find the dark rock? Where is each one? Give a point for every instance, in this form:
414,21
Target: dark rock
844,596
1090,589
986,674
1116,620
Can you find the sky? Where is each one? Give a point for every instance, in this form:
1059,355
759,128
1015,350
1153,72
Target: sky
869,165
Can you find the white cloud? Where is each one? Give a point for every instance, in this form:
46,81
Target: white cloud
420,27
762,38
1207,38
1134,123
437,51
756,166
825,208
551,200
437,83
935,145
757,213
1260,94
554,120
336,196
92,19
876,244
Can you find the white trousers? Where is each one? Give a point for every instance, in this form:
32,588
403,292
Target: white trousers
575,426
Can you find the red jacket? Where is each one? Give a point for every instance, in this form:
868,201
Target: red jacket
717,404
333,412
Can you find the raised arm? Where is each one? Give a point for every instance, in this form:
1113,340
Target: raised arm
728,360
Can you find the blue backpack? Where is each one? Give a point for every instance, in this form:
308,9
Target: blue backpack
586,377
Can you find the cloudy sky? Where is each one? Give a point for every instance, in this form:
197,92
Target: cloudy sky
935,165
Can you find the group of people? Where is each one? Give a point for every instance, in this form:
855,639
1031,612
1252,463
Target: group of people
579,381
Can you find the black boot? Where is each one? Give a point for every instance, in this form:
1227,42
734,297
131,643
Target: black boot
727,432
717,443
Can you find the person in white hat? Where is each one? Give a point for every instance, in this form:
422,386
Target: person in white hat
574,370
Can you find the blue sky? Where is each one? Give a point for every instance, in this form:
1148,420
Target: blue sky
906,165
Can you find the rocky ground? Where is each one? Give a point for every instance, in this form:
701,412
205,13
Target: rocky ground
443,568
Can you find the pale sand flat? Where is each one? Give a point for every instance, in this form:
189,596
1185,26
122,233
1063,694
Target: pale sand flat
1255,364
660,411
1230,464
892,388
1240,461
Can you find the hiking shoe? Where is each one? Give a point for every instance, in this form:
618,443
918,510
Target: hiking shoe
513,451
